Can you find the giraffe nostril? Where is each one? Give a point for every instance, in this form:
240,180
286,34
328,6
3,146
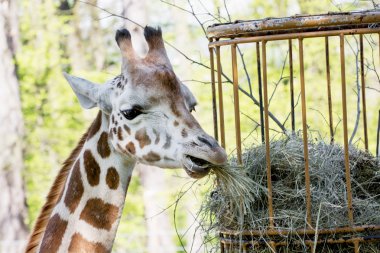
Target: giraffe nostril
207,142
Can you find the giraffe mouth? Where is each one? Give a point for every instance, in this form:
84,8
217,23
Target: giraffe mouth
196,167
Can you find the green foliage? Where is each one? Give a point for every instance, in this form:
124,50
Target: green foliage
51,130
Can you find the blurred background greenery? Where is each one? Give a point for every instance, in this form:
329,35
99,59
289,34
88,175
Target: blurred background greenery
78,37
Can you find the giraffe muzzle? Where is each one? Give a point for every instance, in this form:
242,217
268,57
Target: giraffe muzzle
213,153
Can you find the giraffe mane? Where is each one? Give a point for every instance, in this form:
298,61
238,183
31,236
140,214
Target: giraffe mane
55,193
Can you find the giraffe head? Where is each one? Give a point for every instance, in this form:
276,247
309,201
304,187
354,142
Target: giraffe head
150,110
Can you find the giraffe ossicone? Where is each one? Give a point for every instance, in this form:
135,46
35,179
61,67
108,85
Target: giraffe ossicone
145,116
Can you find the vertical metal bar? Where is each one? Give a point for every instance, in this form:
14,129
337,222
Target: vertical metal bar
345,137
331,124
220,94
363,92
260,91
312,250
378,129
356,246
304,132
267,147
213,91
235,79
310,244
378,137
291,85
272,244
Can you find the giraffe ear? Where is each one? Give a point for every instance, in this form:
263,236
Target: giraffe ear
89,94
188,95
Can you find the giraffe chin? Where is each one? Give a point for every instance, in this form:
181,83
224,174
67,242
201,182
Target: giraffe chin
196,174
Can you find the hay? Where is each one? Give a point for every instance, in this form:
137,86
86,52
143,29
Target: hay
239,199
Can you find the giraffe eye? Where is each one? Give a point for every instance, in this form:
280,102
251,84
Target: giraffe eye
131,113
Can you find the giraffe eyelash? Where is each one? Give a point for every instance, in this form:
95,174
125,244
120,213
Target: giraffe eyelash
130,114
192,107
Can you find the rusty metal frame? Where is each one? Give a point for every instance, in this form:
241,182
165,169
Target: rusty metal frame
328,79
293,24
288,29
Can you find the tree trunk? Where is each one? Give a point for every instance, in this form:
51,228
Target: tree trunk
85,44
13,230
159,230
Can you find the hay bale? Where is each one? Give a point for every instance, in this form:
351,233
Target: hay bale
239,200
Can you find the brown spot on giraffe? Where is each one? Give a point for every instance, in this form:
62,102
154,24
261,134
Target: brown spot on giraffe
131,148
184,133
142,137
79,244
152,157
167,142
114,130
103,147
92,168
154,100
126,128
157,134
95,126
53,234
190,122
174,108
75,188
175,123
112,178
99,214
168,80
120,133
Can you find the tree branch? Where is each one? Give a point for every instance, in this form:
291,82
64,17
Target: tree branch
280,78
357,120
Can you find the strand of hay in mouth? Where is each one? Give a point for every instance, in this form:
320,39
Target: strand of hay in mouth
238,200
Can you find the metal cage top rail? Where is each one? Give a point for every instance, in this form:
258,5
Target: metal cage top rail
294,24
297,28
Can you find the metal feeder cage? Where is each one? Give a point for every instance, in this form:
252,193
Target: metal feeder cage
294,31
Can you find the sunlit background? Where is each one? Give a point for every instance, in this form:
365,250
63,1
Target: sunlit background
40,39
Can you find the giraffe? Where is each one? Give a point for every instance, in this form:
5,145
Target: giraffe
144,116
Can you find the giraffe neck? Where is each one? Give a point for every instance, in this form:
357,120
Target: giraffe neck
86,216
